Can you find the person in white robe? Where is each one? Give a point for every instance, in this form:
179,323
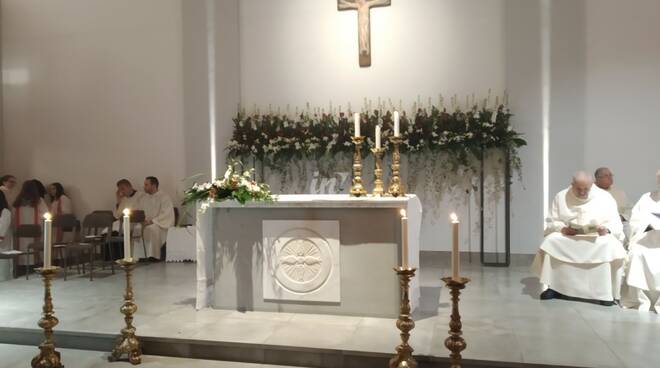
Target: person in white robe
5,238
29,208
642,288
582,255
605,181
60,204
159,217
8,188
127,197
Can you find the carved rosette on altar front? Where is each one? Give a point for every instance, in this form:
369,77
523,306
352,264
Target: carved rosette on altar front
301,260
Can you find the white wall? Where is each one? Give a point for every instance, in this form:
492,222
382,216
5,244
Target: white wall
294,51
523,79
623,91
92,93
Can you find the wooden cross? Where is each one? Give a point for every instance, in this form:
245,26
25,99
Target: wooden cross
363,8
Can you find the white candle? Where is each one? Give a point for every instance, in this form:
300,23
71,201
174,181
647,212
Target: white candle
377,136
356,120
404,239
396,123
127,233
455,255
48,231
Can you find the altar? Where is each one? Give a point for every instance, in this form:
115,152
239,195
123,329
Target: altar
328,254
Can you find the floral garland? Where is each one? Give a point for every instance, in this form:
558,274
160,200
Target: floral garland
276,140
233,185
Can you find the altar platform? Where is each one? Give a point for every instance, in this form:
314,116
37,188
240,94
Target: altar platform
505,325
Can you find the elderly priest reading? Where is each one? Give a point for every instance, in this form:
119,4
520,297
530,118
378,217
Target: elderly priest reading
643,275
582,255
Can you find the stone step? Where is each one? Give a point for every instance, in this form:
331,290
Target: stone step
254,355
21,355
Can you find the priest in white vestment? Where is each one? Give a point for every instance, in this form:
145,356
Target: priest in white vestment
582,255
159,216
605,181
642,289
127,197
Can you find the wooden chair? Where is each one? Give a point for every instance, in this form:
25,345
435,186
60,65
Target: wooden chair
28,231
67,224
96,231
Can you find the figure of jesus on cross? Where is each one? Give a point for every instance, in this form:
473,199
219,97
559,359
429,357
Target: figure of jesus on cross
363,8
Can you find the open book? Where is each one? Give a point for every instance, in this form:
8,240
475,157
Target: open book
587,229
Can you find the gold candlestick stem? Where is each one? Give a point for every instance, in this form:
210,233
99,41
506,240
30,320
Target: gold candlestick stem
379,189
357,190
405,323
396,188
455,342
47,357
127,343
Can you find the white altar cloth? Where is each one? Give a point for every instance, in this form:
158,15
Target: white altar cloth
206,242
181,244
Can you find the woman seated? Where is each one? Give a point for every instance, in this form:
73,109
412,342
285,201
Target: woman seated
29,208
60,204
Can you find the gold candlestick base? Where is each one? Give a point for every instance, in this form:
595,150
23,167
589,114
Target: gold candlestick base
48,357
357,189
396,188
403,357
127,343
379,189
455,342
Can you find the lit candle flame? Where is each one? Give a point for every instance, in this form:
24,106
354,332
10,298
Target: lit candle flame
403,212
453,218
48,216
126,211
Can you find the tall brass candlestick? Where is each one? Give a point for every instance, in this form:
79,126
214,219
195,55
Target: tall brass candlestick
405,323
127,343
47,357
455,342
396,188
379,189
357,190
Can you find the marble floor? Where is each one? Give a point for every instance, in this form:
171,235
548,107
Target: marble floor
19,355
503,320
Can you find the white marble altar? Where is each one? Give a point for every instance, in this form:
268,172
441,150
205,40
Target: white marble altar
354,245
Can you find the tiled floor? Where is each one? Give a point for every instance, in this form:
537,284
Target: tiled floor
503,320
19,356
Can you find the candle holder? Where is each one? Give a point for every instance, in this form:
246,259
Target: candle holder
48,357
455,342
403,357
357,189
396,188
379,189
127,343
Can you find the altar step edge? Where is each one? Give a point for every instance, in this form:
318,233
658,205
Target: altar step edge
240,352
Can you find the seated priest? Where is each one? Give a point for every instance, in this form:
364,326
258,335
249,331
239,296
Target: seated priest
642,289
582,255
127,197
159,216
605,181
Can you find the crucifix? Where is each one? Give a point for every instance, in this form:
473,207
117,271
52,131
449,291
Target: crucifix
363,8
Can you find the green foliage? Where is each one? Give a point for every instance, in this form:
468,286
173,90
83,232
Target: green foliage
277,140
